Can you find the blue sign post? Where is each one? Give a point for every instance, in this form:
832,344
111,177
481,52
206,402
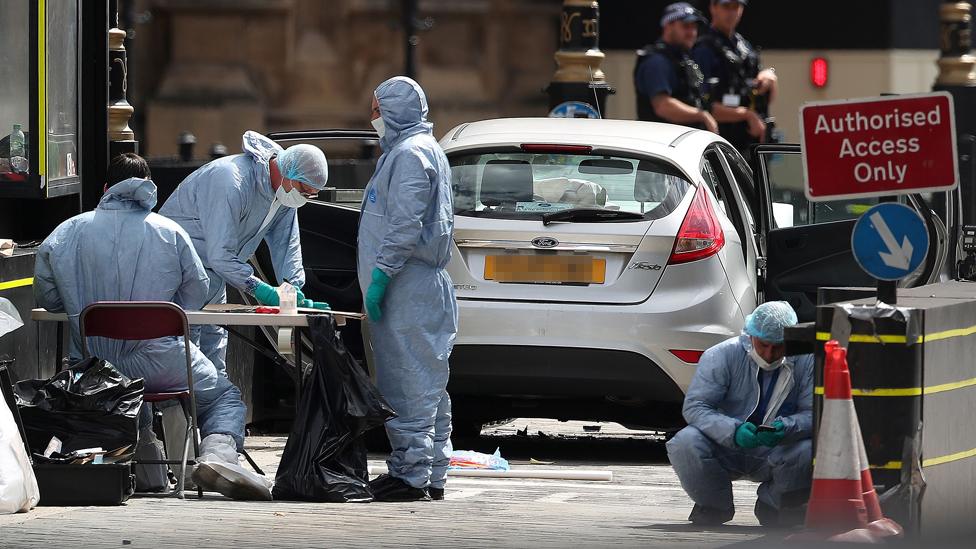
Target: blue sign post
890,241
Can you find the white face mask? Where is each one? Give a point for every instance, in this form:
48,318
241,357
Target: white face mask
761,362
290,199
380,126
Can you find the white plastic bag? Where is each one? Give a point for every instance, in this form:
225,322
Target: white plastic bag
9,317
18,486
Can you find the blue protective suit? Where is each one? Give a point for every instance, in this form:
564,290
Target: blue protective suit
224,207
405,230
123,252
723,394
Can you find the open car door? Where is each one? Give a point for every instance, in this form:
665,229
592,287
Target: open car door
807,245
329,224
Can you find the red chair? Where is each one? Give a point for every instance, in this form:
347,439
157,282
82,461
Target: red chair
135,320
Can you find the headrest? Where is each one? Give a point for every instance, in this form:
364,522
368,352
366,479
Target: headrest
506,182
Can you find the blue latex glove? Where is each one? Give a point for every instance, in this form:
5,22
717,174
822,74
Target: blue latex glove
375,293
772,438
299,296
745,436
266,294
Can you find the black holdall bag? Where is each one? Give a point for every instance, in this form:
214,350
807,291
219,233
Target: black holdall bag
325,456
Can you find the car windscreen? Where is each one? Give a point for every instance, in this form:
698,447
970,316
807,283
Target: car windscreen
524,185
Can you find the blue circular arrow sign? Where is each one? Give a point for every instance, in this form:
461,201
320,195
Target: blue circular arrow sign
574,109
890,241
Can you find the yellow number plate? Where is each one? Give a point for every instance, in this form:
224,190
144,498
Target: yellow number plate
546,269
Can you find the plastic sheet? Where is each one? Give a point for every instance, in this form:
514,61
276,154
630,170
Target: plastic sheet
87,406
325,457
466,459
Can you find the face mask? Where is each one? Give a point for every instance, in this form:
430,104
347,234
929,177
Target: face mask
290,199
761,362
380,126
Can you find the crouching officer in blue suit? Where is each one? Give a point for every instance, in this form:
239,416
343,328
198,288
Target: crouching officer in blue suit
749,410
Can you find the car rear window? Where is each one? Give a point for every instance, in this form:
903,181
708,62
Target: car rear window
526,185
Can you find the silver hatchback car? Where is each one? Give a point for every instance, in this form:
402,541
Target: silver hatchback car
596,260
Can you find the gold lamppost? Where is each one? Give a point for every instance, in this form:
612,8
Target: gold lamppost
121,136
957,75
579,88
956,66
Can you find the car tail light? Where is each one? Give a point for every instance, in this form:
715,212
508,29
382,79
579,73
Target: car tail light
688,355
556,149
701,233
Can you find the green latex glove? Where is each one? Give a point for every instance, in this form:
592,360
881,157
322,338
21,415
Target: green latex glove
772,438
320,305
266,294
374,294
745,436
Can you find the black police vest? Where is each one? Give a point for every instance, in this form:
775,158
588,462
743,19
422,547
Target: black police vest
688,90
742,66
741,63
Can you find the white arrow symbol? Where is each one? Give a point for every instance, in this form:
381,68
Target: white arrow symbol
898,257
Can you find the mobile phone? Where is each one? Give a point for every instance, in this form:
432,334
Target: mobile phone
765,428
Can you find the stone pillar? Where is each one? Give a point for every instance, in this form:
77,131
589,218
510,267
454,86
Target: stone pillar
579,88
228,70
121,137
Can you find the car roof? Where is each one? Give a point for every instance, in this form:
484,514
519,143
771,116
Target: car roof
622,134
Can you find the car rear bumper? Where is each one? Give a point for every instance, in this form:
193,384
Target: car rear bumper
579,350
559,372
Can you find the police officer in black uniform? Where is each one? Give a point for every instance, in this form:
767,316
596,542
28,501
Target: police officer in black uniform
667,80
739,92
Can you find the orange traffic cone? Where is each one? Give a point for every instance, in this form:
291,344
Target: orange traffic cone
877,523
836,511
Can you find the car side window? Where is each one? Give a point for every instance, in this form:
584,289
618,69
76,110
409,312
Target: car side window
708,174
718,179
784,174
742,174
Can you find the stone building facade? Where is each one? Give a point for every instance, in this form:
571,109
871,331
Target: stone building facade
218,67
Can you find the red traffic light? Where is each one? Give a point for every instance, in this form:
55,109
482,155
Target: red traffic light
819,69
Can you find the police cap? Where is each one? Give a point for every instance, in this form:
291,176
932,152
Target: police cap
681,11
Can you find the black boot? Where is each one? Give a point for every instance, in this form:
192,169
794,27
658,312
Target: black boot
707,516
767,514
784,517
436,494
390,488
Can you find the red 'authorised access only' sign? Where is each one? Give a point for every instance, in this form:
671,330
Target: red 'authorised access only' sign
879,146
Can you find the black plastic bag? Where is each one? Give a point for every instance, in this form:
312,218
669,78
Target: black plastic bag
325,456
89,405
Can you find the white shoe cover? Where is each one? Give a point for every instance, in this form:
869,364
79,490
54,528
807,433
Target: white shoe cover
218,470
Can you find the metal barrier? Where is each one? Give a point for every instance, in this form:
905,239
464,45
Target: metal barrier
913,374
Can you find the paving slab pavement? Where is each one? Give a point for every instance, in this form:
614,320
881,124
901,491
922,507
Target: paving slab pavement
643,506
